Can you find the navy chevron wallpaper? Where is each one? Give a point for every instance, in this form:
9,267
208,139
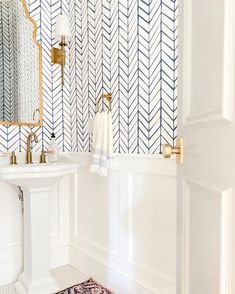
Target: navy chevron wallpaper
57,103
128,47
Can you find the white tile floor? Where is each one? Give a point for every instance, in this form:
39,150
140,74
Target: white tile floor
65,276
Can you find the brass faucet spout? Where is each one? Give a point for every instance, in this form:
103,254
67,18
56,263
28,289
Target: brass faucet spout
29,152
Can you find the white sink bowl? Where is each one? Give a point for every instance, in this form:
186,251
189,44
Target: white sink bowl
33,175
36,181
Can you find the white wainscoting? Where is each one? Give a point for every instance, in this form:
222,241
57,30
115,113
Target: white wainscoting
123,227
11,229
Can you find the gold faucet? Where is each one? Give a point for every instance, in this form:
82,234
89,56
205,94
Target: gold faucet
29,152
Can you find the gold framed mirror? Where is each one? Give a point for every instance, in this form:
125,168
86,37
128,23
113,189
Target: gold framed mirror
21,101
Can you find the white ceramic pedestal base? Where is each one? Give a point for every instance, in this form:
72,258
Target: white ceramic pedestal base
36,278
36,180
41,286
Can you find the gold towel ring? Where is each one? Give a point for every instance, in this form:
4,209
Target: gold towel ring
104,96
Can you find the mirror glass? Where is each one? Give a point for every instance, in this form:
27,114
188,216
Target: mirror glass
20,66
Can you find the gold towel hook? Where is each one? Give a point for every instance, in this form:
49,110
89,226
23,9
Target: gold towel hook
107,96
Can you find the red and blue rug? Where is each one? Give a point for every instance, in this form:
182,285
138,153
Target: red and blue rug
87,287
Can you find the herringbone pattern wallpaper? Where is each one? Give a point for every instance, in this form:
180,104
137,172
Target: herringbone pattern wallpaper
7,53
127,47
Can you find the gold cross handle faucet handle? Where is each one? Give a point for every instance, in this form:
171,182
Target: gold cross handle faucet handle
178,150
13,158
43,157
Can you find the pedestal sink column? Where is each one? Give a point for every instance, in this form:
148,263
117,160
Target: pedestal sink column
36,180
36,278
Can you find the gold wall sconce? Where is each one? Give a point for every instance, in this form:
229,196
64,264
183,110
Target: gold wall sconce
63,35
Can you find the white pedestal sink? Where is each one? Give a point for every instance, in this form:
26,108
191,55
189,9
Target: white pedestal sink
36,181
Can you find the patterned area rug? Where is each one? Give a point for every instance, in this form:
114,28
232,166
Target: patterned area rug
88,287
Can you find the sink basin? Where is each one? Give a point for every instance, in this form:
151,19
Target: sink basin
28,174
36,181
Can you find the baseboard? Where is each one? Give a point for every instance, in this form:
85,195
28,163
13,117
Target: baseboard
11,266
10,270
111,277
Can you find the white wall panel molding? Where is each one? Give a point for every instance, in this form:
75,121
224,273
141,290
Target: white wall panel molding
141,162
118,279
116,225
140,238
229,66
213,117
11,262
221,110
83,240
145,220
218,221
93,188
10,252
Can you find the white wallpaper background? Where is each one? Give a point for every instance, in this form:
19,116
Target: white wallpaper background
126,47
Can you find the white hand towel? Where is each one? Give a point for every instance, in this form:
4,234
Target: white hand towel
102,157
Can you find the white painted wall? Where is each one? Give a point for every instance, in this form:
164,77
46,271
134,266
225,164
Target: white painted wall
122,228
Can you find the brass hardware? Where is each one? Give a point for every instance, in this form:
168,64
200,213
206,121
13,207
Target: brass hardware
107,96
58,56
13,158
168,150
29,152
43,157
34,37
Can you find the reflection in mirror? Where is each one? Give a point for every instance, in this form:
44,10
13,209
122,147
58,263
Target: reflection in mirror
20,65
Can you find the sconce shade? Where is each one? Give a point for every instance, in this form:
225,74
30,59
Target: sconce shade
62,28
